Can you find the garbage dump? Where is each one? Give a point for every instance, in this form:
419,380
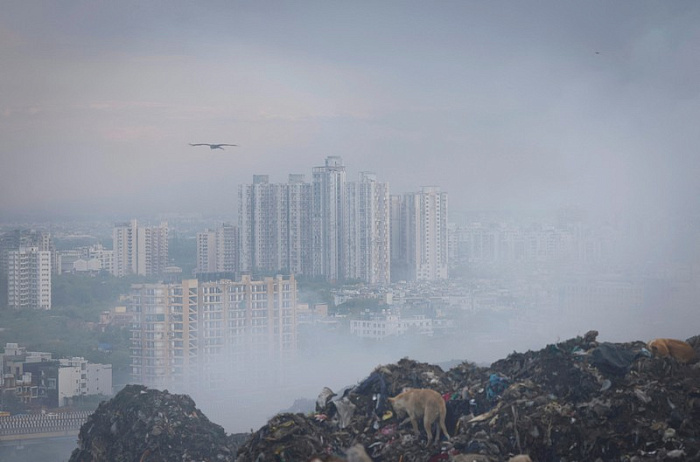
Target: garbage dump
577,400
141,424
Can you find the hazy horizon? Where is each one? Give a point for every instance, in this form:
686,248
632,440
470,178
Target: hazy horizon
504,105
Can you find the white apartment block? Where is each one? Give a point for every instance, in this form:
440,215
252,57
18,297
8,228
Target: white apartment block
93,258
65,260
275,225
433,241
124,243
260,225
13,349
139,250
507,243
296,232
217,250
330,228
420,245
181,332
77,377
206,251
29,278
104,256
87,266
227,248
328,202
366,243
380,327
152,250
14,240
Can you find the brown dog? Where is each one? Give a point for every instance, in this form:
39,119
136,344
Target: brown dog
425,403
677,349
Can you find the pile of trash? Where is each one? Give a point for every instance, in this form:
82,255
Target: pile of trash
578,400
141,424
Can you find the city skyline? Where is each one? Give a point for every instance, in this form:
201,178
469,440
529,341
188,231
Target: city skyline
251,202
503,105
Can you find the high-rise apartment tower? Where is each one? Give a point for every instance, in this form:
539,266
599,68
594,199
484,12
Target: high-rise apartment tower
139,250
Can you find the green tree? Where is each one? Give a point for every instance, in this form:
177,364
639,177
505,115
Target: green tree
11,403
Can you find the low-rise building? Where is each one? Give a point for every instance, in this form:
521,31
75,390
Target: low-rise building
118,316
378,327
77,377
311,314
37,380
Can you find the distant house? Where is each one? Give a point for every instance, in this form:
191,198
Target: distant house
82,265
77,377
30,375
40,381
382,326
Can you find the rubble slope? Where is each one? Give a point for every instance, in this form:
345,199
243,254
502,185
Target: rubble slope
141,424
578,400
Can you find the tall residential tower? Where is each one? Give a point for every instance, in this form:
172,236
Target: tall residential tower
327,218
139,250
217,250
29,278
366,253
420,244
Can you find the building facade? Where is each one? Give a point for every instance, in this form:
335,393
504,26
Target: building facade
37,380
13,240
296,230
77,377
260,224
420,243
328,202
366,255
92,258
379,327
329,228
26,267
275,226
182,332
227,239
139,250
29,278
206,251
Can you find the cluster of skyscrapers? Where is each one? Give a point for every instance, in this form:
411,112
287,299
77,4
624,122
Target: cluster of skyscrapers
332,229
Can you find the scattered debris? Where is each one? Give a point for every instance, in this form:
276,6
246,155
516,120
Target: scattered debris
574,400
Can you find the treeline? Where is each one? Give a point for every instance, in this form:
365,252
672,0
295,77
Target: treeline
71,327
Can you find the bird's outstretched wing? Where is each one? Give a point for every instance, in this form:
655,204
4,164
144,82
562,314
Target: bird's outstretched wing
200,144
226,145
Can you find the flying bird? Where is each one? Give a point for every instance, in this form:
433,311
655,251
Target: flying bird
213,146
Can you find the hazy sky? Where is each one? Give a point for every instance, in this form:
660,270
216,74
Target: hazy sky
513,104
